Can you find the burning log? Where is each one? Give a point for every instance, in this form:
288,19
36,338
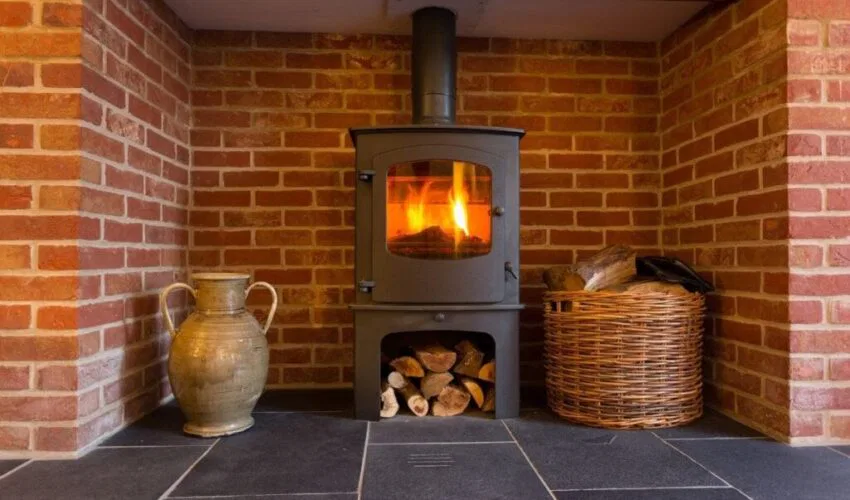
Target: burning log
487,372
389,403
436,358
433,383
408,367
471,358
474,390
433,242
452,401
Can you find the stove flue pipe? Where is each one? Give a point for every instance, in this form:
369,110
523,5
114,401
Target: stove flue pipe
434,66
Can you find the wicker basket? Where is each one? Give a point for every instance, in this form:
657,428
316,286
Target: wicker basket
624,360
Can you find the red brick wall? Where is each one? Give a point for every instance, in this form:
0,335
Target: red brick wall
93,196
819,217
272,165
725,198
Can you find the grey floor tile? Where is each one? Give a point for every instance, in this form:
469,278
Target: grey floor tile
311,496
163,427
115,473
412,429
574,457
844,450
459,472
7,465
306,400
772,471
282,453
666,494
711,425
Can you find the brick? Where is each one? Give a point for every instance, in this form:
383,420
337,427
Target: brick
28,44
517,83
631,87
16,74
312,139
373,101
51,227
15,14
61,75
41,105
313,60
575,85
818,398
548,103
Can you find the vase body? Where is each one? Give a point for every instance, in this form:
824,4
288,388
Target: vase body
219,356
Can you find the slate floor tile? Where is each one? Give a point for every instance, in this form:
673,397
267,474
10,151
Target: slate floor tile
115,473
450,472
651,494
769,470
412,429
306,400
711,425
7,465
282,453
163,427
575,457
844,450
311,496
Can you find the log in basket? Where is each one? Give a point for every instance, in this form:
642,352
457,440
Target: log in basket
624,360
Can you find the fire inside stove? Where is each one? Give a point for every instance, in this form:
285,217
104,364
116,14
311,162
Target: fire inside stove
439,209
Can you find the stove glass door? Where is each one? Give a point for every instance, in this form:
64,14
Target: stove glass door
439,209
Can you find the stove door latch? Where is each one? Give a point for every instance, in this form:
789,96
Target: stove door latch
365,175
365,286
509,269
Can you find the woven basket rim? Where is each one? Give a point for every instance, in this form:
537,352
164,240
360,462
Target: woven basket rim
609,293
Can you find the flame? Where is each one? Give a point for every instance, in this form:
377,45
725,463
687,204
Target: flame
453,203
458,198
415,208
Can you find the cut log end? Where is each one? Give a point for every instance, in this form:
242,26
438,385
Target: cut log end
389,403
487,372
452,400
471,358
435,358
414,399
433,383
408,366
474,390
396,380
489,401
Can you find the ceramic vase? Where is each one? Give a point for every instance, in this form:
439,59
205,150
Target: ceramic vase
219,355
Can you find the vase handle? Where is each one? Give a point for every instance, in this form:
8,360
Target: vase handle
163,303
274,302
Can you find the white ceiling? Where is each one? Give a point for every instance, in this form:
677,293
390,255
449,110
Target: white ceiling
628,20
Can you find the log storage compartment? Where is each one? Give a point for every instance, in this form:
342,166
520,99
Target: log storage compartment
433,379
436,248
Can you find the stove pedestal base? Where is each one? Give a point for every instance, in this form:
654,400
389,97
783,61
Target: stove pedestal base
373,322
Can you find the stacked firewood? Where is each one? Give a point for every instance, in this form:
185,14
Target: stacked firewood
440,381
612,269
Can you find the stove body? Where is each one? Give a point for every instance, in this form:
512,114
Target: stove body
437,226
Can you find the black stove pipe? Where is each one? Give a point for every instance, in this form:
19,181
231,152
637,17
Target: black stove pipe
434,66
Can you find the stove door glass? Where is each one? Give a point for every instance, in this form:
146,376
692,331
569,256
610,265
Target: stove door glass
439,209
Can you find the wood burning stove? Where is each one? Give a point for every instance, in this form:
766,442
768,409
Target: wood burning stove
437,225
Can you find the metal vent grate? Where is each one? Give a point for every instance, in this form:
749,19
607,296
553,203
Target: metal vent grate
430,460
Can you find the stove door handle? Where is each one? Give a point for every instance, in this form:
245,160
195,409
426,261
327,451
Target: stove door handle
509,269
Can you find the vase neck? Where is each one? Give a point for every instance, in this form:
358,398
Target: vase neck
221,295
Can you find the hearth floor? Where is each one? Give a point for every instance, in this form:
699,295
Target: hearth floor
305,445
